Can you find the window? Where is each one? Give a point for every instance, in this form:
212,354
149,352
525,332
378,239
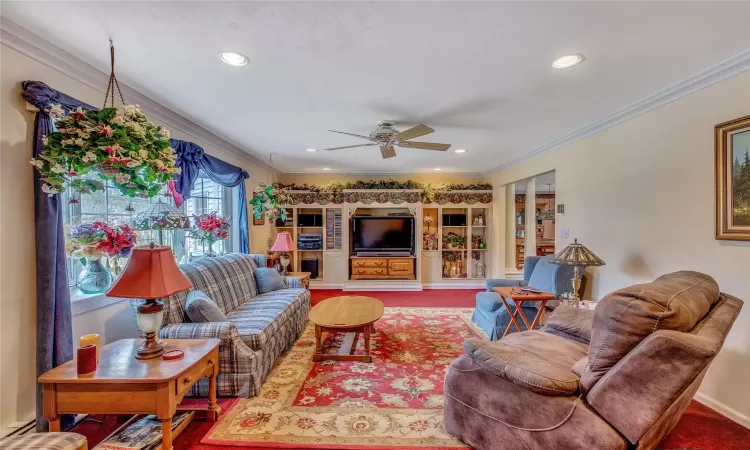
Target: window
113,208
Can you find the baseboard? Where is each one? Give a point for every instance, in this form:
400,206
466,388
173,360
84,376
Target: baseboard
325,286
724,410
382,285
468,284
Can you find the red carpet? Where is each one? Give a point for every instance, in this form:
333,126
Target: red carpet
700,427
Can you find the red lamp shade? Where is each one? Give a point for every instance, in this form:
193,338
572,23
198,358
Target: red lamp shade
151,273
284,243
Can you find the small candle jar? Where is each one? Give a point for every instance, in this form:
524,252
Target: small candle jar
90,339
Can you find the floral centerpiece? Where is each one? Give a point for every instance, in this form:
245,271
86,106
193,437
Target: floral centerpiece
121,145
429,240
210,228
89,242
271,201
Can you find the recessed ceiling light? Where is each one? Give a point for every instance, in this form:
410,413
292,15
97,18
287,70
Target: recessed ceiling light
568,61
326,168
460,150
310,150
437,168
234,59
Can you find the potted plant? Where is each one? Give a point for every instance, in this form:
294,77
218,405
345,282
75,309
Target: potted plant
121,145
271,201
452,240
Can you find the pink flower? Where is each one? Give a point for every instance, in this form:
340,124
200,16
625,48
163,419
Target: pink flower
72,174
106,131
113,160
109,150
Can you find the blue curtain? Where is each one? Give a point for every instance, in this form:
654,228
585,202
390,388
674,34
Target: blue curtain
54,334
192,159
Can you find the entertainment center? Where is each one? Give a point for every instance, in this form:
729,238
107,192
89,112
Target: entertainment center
356,246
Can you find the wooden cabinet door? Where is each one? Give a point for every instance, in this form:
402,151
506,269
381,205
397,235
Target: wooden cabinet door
400,266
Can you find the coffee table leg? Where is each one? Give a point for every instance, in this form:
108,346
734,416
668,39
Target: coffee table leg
318,344
166,434
368,330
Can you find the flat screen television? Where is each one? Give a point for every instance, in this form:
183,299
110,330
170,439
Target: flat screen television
383,234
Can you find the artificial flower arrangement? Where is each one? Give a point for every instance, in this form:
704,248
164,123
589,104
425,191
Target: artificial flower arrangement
271,201
120,144
453,240
210,228
429,240
89,241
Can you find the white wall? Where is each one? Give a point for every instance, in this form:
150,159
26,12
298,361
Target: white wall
17,250
640,195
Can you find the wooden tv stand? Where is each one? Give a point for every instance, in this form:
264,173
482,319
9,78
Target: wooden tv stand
383,268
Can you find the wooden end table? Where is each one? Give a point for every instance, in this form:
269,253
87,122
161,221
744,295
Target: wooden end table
351,314
125,385
304,278
518,298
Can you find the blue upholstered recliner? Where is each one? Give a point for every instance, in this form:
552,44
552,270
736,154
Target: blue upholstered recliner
539,273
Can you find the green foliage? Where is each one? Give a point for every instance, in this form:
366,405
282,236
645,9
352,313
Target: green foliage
454,240
122,146
269,200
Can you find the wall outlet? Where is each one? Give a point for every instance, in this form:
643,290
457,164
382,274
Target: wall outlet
564,232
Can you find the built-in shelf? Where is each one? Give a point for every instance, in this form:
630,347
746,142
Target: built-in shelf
455,226
479,249
302,226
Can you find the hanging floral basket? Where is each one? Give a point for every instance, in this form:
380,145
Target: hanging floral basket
119,144
271,201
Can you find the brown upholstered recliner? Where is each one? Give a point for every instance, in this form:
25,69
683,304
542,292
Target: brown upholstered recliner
614,378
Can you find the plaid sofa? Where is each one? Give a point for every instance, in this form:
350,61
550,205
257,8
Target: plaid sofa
259,327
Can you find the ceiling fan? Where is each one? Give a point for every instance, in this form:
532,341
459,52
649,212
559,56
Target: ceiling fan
387,137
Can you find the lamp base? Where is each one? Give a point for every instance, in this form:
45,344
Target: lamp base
150,348
284,263
576,282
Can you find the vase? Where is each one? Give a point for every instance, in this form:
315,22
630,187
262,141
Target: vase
94,278
210,253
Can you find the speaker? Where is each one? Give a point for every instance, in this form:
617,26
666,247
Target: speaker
310,220
310,265
454,220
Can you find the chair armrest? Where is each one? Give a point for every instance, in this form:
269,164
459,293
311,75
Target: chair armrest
503,283
292,282
571,323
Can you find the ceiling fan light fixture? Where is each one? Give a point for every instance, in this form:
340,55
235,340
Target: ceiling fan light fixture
326,168
460,150
437,168
568,61
234,58
311,150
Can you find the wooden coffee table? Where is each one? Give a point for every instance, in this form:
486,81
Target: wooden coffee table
125,385
518,297
351,314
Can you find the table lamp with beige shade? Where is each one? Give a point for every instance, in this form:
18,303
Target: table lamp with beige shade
576,255
151,274
284,244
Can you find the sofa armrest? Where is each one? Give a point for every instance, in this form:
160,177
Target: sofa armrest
292,282
503,283
571,323
234,355
649,379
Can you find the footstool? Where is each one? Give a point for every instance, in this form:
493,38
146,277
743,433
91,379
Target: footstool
45,441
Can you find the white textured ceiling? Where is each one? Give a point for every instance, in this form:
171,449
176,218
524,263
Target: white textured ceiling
479,73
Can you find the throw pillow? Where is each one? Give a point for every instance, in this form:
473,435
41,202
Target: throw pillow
268,279
200,308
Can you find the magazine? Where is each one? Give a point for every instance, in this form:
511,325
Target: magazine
144,434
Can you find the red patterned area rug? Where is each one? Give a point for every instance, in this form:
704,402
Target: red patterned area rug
393,403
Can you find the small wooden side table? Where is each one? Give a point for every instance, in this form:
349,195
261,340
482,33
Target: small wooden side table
518,298
304,277
125,385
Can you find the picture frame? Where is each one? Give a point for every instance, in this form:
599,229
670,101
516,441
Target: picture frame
732,177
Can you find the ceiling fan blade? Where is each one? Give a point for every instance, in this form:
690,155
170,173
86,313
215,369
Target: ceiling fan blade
411,133
350,146
425,145
387,152
351,134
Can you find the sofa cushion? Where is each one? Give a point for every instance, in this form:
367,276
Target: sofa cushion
43,441
263,317
268,279
200,308
537,361
676,301
571,323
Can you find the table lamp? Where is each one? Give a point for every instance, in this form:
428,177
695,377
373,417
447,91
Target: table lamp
151,274
160,216
576,255
284,244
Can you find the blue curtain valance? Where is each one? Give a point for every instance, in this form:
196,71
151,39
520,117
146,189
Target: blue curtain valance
191,159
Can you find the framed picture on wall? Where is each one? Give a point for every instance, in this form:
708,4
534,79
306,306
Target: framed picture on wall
732,166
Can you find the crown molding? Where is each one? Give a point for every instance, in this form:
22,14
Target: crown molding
715,74
38,49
